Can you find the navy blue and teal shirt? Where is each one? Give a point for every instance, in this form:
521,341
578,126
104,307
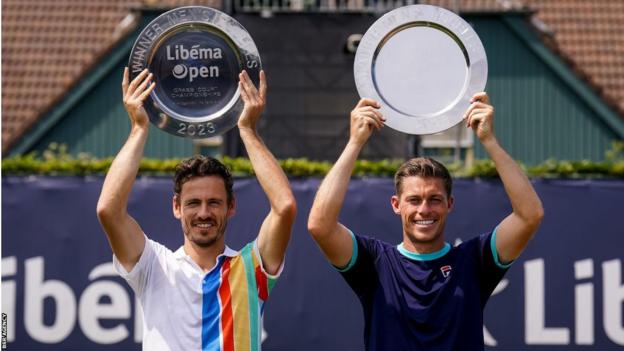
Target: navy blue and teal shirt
427,302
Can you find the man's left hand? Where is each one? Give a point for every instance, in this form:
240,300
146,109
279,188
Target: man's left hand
480,117
254,99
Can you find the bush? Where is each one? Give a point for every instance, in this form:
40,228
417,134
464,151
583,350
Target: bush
57,162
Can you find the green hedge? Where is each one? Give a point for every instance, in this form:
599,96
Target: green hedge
56,162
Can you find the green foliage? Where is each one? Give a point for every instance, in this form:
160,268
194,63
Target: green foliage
55,161
612,167
383,168
482,168
301,167
616,153
240,167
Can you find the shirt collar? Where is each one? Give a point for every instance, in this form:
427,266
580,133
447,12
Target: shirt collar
181,254
424,257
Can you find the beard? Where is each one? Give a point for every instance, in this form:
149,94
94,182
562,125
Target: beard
205,240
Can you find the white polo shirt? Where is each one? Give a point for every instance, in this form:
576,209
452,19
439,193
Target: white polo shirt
187,309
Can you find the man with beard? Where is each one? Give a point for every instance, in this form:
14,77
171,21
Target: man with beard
423,294
204,295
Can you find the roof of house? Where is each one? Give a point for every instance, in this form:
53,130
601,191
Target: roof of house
588,35
47,46
478,5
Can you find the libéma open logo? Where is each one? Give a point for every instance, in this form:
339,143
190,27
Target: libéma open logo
190,72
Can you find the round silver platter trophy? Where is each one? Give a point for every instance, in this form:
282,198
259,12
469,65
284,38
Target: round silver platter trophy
195,54
423,64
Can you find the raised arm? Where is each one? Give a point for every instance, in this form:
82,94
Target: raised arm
277,226
515,231
332,237
123,232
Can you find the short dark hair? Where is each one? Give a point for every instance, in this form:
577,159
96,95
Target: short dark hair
202,166
425,167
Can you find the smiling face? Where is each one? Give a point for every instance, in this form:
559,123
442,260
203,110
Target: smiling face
423,204
203,209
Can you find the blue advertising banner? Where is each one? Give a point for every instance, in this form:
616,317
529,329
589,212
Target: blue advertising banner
60,292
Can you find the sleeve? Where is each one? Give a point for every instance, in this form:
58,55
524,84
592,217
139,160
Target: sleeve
492,270
360,272
253,262
138,277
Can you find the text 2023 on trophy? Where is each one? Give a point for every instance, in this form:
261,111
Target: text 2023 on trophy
195,54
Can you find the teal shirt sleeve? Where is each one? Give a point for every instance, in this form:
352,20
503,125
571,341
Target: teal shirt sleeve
495,253
354,254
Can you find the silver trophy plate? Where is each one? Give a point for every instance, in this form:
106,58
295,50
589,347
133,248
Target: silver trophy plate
195,54
422,63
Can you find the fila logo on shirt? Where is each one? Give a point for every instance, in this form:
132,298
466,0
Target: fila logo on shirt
446,270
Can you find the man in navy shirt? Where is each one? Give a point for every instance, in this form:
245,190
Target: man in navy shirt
424,294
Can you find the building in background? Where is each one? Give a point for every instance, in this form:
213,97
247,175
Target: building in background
556,76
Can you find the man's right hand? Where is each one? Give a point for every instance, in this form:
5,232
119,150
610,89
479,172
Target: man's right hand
124,233
364,117
134,95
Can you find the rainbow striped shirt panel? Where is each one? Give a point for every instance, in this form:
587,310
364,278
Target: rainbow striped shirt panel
186,309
